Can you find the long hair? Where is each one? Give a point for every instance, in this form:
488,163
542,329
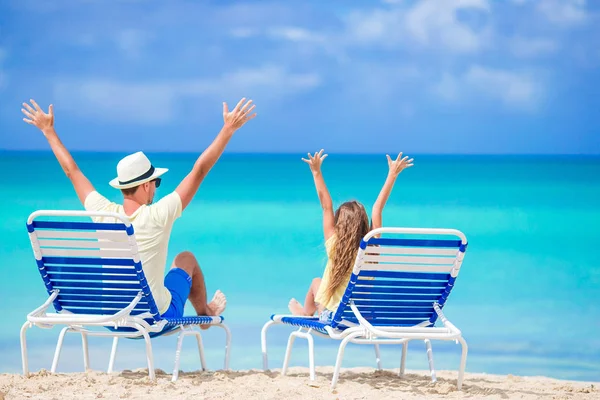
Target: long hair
351,225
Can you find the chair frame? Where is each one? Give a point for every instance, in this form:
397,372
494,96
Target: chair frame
366,333
137,326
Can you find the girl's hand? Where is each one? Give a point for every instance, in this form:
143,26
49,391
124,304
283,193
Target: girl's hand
315,161
396,166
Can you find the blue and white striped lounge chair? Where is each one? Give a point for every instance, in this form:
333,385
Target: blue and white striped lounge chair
396,293
93,275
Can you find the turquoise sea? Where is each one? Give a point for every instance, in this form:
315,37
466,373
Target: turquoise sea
526,299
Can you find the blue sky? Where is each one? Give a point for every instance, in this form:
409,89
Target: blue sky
428,76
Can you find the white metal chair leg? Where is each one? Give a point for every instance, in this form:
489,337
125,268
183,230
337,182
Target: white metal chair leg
59,343
403,359
24,328
311,351
200,350
86,353
263,344
430,360
340,356
311,356
149,355
227,345
113,355
288,352
378,357
463,362
178,355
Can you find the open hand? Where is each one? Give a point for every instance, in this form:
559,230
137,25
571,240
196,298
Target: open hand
315,161
37,117
396,166
237,117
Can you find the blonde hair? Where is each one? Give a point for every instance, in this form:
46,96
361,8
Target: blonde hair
351,225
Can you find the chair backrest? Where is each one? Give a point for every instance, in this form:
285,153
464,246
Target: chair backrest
398,277
95,266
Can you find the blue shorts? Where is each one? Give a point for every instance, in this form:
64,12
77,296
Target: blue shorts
179,284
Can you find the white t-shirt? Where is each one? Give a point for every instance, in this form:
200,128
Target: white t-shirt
152,228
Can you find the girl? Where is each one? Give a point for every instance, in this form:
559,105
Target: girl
343,231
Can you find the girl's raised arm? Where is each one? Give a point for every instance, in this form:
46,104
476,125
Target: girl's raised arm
315,161
395,167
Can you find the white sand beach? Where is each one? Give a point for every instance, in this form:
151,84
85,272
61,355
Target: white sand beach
355,383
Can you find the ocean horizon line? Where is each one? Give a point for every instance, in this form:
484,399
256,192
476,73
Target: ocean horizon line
336,154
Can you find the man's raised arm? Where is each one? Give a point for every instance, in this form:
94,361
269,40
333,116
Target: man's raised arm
232,121
45,122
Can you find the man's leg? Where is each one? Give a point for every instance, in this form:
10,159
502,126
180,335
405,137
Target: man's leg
187,262
309,302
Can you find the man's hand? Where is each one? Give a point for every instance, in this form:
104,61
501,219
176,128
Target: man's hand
396,166
232,121
37,117
239,115
315,161
45,122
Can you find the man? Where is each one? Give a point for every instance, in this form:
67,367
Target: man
138,179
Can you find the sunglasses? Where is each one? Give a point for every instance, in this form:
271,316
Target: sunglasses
157,182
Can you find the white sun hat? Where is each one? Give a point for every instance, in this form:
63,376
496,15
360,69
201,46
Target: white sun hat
134,170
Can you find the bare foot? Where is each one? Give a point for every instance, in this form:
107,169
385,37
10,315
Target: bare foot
296,308
216,306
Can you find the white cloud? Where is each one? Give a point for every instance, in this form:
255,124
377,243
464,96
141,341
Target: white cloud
429,24
379,26
436,22
156,102
288,33
447,88
563,12
303,43
269,80
532,47
132,41
407,72
294,34
243,33
437,35
370,84
515,89
112,100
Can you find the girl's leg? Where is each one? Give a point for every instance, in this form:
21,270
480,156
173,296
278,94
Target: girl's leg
309,307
